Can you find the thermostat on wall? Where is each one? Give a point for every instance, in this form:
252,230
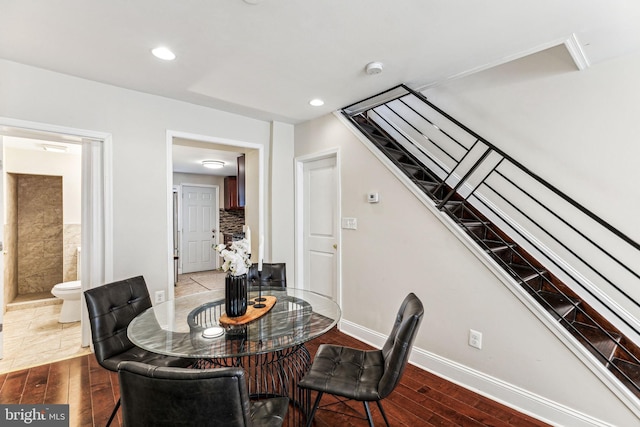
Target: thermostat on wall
373,198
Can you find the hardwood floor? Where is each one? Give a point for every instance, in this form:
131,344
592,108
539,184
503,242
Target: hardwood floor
421,399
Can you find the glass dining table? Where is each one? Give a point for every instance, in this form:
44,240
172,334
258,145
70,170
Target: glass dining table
270,348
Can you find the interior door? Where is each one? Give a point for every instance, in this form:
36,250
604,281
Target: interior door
320,226
199,228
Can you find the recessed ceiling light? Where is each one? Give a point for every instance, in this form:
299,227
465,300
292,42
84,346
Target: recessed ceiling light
55,148
316,102
163,53
212,164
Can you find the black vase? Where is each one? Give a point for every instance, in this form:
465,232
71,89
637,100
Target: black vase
235,295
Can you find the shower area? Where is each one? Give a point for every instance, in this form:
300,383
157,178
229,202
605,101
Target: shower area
41,250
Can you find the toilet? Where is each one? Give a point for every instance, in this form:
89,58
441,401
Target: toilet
69,293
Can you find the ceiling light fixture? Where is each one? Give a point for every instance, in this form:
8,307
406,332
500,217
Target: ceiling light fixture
374,68
212,164
55,148
163,53
316,102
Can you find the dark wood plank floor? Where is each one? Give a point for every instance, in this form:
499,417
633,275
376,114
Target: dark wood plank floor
421,399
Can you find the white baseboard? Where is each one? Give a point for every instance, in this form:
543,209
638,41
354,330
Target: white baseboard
507,394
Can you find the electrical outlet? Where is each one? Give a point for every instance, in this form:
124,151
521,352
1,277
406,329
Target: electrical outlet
475,339
159,296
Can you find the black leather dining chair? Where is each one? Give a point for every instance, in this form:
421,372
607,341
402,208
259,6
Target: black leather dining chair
159,396
273,274
366,375
111,308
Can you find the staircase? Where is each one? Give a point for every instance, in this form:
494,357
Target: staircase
465,176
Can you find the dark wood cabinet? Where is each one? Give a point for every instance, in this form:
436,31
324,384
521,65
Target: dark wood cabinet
240,181
231,192
234,188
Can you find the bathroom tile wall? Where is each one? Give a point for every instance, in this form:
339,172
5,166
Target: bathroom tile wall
71,242
40,233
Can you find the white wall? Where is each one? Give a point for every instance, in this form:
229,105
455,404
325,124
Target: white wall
281,206
577,129
138,124
192,178
66,165
401,247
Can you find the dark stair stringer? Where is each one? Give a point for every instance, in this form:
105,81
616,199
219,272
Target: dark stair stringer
594,332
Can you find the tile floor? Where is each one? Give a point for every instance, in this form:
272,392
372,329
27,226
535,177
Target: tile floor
32,334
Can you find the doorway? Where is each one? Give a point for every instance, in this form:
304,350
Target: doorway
186,152
91,223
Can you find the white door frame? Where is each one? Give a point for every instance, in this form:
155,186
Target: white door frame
171,134
101,164
299,217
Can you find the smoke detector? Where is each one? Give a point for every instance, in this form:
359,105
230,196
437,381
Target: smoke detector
374,68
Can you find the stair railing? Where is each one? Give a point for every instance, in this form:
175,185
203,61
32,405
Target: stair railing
594,258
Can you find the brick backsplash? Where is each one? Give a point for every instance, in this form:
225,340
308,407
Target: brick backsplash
231,222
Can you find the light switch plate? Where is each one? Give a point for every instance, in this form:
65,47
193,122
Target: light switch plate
349,223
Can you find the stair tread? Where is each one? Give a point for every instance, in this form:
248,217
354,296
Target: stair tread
382,139
631,370
557,304
426,183
396,154
470,222
599,340
524,272
497,245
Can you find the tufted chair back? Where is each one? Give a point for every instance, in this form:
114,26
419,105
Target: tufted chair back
274,274
161,396
397,348
111,308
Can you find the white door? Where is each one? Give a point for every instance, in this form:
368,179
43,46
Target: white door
199,228
320,226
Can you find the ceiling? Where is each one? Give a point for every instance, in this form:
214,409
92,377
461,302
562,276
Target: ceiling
188,155
267,60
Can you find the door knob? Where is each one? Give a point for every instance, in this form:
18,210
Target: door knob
335,246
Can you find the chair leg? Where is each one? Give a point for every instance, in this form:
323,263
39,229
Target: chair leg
366,409
383,413
113,414
313,410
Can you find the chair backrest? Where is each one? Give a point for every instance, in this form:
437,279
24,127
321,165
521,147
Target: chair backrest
111,308
398,346
273,274
160,396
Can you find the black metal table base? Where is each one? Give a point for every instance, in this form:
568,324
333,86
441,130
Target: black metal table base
273,374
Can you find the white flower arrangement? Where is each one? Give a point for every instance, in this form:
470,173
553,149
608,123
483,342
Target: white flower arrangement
236,258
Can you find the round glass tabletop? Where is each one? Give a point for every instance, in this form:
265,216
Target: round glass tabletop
189,326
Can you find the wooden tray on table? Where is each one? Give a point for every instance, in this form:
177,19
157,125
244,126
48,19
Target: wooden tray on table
251,314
